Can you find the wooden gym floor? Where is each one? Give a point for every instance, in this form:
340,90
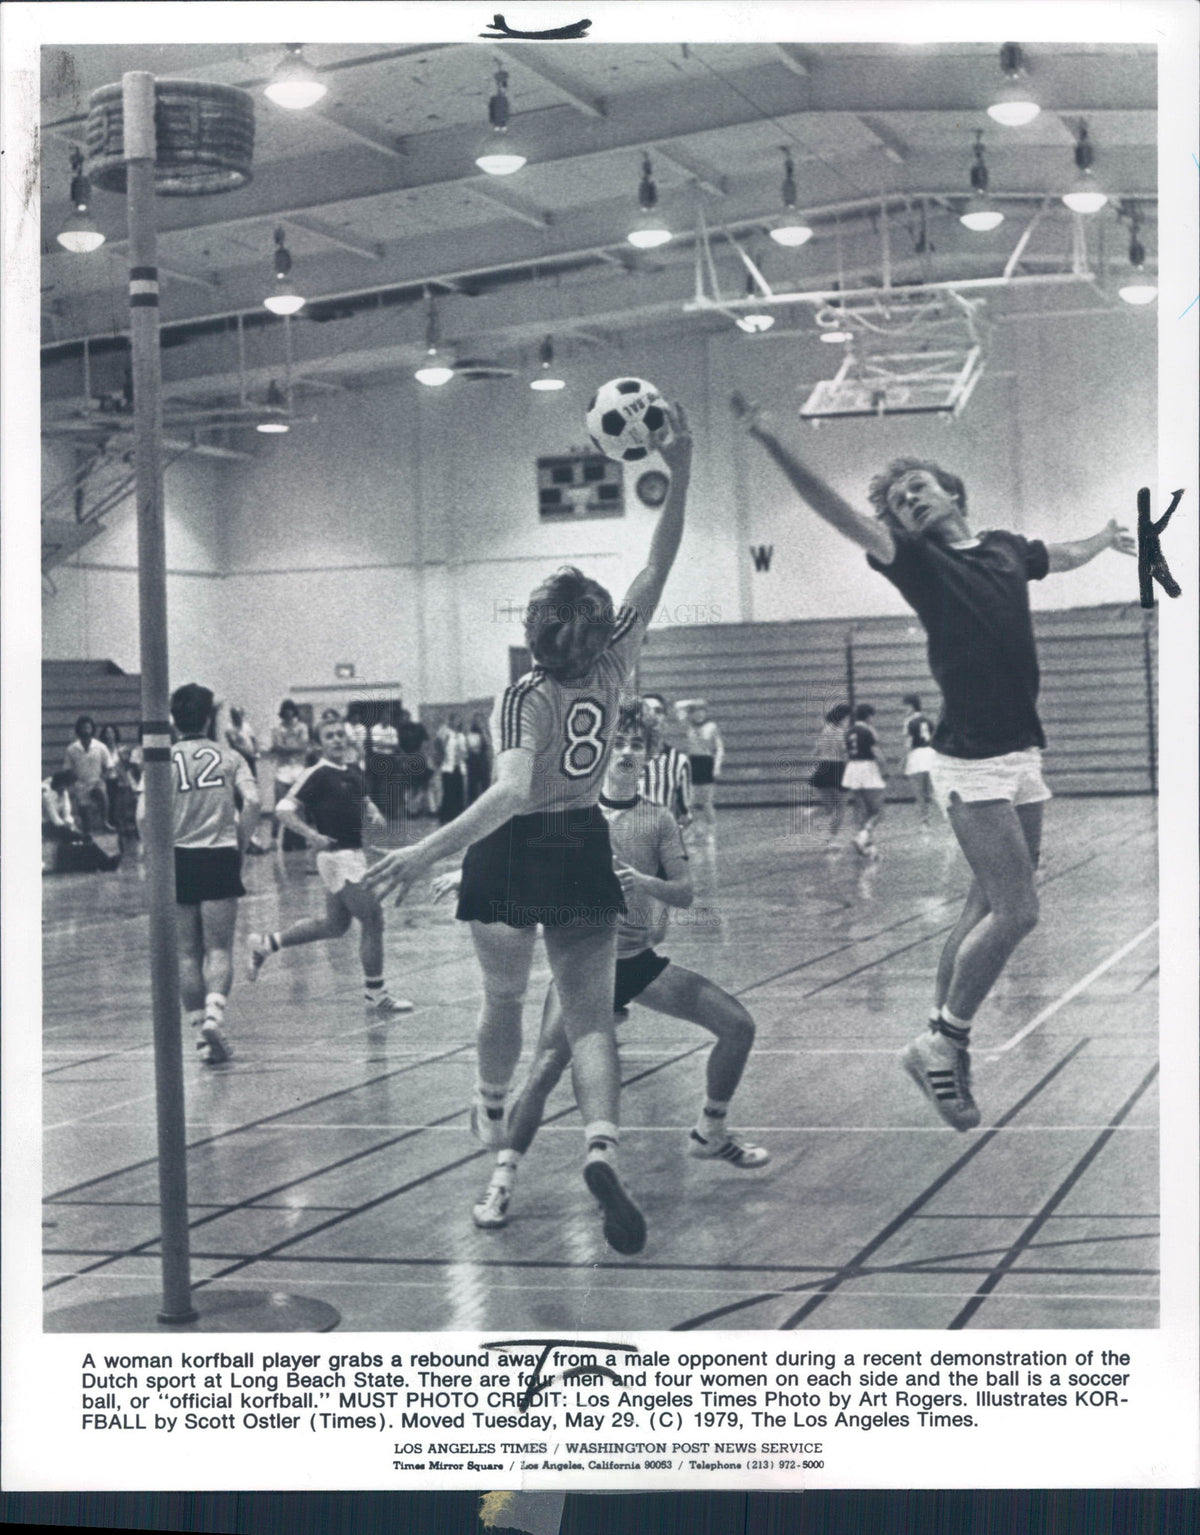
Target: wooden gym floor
332,1157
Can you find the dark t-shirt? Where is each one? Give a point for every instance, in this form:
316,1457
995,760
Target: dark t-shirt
413,736
974,604
920,730
332,800
860,743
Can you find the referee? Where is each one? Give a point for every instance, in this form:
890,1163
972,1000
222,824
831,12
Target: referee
667,776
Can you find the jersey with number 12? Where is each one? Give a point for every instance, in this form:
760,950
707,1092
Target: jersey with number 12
568,726
204,776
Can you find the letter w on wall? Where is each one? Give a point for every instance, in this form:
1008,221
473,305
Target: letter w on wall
761,555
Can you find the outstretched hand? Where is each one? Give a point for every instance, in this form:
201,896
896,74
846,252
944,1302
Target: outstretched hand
394,871
446,884
677,454
1120,538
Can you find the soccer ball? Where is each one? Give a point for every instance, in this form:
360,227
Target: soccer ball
627,419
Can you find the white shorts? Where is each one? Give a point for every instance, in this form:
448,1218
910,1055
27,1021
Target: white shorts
343,866
919,760
862,775
1016,777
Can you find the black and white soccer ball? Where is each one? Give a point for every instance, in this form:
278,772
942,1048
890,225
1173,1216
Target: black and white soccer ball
627,419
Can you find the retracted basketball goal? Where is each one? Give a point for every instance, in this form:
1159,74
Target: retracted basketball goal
171,138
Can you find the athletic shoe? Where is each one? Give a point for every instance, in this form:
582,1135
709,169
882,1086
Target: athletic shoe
862,843
943,1073
737,1153
624,1223
387,1007
491,1126
492,1210
260,952
212,1045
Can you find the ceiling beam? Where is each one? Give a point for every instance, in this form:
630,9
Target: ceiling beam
361,128
372,249
794,58
565,87
516,207
691,165
893,145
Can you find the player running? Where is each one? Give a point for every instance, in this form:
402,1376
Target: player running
651,863
210,839
539,849
971,593
326,808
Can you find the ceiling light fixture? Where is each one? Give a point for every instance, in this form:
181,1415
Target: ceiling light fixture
283,297
498,156
981,213
547,380
649,231
1014,106
1084,196
433,372
274,401
80,233
791,230
294,83
1137,292
757,319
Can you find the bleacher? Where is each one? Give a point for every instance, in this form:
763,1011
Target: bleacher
98,688
768,686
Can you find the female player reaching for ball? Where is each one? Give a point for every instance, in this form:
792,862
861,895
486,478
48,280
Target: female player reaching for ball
539,850
971,593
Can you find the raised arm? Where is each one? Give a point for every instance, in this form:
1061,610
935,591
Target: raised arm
647,588
1071,556
867,532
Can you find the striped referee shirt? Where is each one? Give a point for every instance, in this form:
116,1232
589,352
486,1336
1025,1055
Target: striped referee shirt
667,780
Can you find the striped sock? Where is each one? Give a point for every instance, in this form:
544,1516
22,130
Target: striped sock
602,1137
956,1029
373,987
491,1097
214,1007
504,1174
710,1126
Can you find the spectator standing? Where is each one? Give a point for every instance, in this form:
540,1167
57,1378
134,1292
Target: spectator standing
289,747
383,751
479,758
453,744
90,763
414,764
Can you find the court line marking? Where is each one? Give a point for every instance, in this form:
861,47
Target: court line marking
1025,1239
139,1248
889,1230
627,1129
254,1124
80,1119
1072,992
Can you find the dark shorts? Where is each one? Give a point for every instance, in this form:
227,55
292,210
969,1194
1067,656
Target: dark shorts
553,869
207,874
827,775
635,974
702,770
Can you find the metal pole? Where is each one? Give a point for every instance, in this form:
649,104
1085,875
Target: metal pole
138,111
1148,667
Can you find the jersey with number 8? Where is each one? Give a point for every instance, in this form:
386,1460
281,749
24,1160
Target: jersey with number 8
204,776
568,726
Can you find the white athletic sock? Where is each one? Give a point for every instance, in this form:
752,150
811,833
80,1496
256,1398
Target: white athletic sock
711,1124
491,1098
214,1007
373,987
504,1173
602,1137
953,1027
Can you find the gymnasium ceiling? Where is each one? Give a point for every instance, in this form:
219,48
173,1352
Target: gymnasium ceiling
380,201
